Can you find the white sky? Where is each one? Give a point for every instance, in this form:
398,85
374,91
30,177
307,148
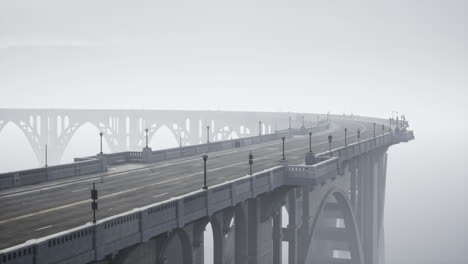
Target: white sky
367,57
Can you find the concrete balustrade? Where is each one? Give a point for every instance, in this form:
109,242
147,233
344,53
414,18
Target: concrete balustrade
99,163
94,242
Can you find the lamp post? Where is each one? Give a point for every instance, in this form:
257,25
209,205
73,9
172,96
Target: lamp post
345,136
283,138
250,161
205,157
100,135
94,204
330,138
146,132
46,155
359,135
207,134
374,129
310,141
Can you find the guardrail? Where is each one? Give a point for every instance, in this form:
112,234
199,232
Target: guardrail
99,163
34,176
92,242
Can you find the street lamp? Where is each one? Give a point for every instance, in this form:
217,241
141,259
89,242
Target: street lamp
345,136
310,141
250,161
358,135
100,135
205,157
207,134
46,155
330,138
283,138
146,132
94,204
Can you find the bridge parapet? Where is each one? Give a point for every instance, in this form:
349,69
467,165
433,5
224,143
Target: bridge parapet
99,163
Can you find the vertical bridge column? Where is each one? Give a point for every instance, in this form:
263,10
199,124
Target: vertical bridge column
370,199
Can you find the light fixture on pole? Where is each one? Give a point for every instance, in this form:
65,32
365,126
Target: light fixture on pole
283,138
205,158
100,135
250,161
345,136
310,141
146,132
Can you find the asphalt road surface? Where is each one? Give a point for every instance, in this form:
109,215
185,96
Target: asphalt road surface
39,210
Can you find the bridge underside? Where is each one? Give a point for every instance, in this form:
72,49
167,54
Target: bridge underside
335,221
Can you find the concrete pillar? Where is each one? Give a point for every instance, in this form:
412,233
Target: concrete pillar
260,249
277,237
292,228
240,234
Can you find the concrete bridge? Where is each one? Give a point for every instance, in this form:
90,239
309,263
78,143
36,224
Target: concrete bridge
125,129
152,208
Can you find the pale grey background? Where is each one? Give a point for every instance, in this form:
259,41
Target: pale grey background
361,57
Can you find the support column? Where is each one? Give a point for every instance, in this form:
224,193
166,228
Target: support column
292,228
277,237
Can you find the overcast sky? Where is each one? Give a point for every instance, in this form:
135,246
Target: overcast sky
342,56
362,57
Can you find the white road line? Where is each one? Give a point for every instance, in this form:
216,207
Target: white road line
80,190
45,227
159,195
122,173
138,188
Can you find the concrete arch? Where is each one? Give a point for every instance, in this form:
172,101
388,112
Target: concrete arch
185,252
336,196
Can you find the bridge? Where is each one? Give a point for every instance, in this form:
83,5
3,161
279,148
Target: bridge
329,176
124,130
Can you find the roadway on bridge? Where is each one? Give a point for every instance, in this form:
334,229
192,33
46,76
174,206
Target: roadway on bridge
41,210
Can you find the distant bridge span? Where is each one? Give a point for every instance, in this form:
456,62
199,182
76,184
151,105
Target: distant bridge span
125,129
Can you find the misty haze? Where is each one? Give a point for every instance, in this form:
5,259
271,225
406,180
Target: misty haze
233,132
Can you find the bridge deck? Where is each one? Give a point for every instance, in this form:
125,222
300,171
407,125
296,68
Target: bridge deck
48,208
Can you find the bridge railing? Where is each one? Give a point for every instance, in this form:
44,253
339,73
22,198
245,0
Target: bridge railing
98,163
92,242
33,176
330,163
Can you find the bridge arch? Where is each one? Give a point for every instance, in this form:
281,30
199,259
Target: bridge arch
84,141
163,137
177,248
19,152
334,235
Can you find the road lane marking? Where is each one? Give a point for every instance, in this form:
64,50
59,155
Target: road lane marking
138,188
160,195
42,228
80,190
122,173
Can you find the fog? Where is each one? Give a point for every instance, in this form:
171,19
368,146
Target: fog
368,58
